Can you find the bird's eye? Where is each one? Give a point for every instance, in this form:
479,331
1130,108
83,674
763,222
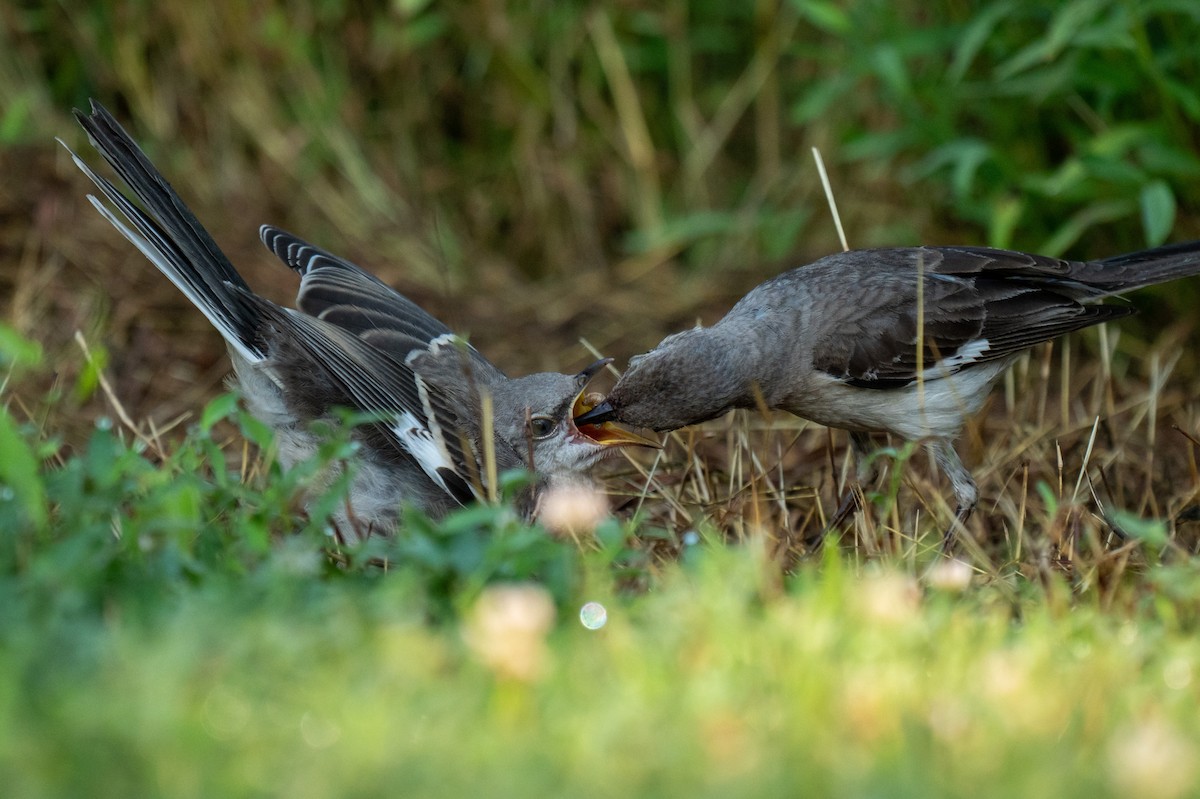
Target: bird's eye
541,426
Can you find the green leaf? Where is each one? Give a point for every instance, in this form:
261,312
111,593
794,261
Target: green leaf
829,17
217,410
1161,157
892,71
1158,211
1118,140
1185,95
963,157
1071,230
19,471
684,230
259,434
15,119
976,34
410,8
1152,531
1006,214
876,145
89,375
1049,498
816,100
779,232
17,351
1066,26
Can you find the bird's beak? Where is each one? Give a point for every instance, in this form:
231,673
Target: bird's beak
592,416
602,413
585,377
594,422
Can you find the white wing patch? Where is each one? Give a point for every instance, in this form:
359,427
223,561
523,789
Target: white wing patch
967,354
435,429
421,444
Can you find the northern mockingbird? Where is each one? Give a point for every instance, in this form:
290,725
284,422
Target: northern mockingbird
906,341
355,343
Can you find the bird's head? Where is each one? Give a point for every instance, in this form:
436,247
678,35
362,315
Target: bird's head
688,378
536,416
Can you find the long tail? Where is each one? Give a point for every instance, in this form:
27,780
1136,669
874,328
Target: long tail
167,232
1136,270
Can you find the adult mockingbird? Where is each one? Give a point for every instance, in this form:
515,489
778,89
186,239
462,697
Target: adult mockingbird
357,344
906,341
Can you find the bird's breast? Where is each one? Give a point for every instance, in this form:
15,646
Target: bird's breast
933,408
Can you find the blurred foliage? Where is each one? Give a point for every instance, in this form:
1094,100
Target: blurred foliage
569,135
171,624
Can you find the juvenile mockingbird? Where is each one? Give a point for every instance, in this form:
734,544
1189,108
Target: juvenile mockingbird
355,343
837,342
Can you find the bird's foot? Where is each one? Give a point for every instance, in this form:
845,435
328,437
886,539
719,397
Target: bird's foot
950,537
847,507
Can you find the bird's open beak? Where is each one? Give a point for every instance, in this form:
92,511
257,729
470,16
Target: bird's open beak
598,428
592,416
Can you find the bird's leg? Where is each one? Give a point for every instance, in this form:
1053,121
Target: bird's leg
865,472
966,493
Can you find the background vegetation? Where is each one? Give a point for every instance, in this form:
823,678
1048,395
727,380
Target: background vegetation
540,173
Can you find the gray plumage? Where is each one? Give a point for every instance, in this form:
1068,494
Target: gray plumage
354,343
836,342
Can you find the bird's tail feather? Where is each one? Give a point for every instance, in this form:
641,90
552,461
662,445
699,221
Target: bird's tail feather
167,232
1137,270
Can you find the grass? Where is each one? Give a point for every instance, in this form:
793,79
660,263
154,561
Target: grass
839,680
170,624
174,627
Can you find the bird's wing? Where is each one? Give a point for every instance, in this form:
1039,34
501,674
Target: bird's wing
343,294
975,305
419,419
